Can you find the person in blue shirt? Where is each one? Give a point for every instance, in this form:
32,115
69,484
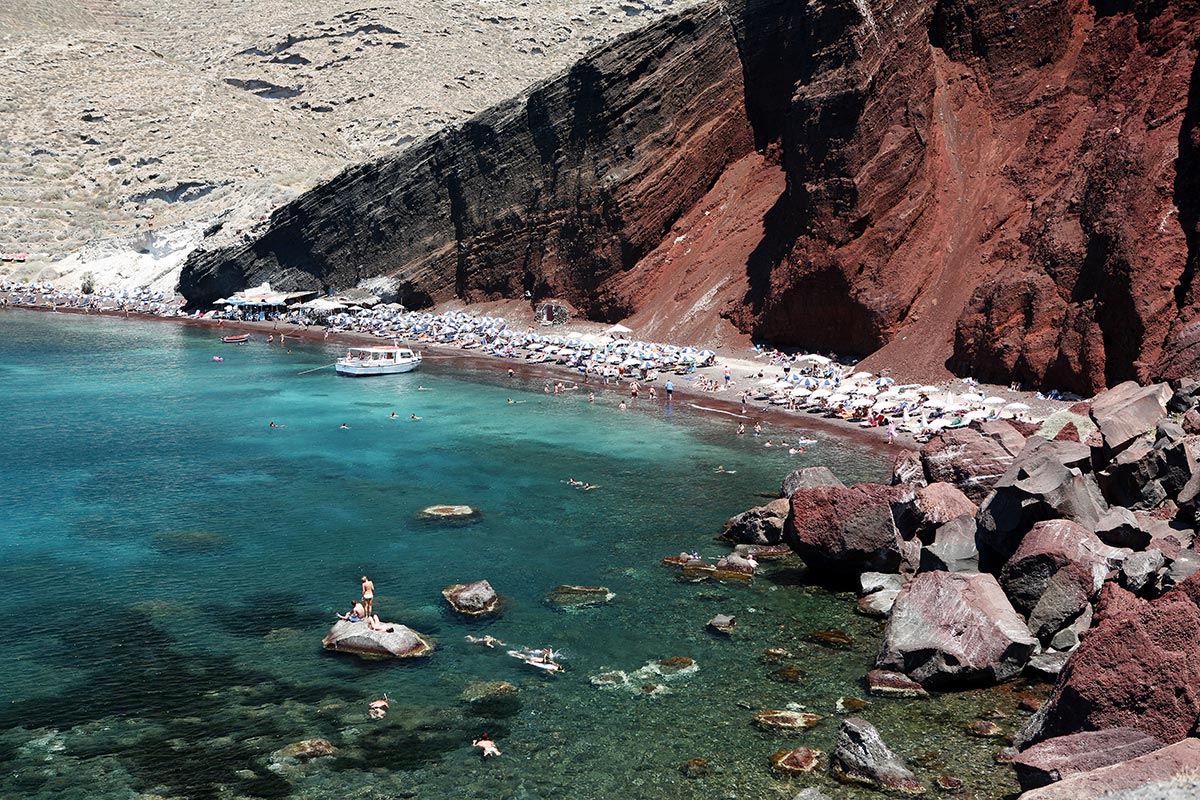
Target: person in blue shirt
670,387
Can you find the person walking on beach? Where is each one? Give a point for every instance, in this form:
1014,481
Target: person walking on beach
670,387
728,376
368,595
891,432
633,390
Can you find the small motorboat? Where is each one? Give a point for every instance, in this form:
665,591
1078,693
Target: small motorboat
240,338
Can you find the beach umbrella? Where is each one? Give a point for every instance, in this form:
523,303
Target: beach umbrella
800,391
861,376
971,397
861,402
929,390
781,385
819,393
866,390
993,401
884,382
809,381
813,359
1016,407
838,398
979,413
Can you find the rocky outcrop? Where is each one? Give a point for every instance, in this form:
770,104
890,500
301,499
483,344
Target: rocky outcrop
955,629
1048,480
860,756
1064,756
1139,667
357,638
1057,569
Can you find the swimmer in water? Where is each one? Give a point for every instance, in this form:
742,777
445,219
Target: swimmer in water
273,425
486,744
378,708
394,416
486,641
345,427
413,416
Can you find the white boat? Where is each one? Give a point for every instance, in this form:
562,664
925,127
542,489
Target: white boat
378,361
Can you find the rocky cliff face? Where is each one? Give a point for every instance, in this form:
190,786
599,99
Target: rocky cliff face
1006,189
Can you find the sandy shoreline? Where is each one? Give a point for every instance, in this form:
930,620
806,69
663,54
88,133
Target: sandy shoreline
773,418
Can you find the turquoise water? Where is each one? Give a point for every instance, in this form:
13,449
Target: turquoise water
169,565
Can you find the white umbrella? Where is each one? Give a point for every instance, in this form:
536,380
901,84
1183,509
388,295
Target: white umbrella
813,359
971,397
929,390
868,390
837,398
861,402
781,385
800,391
619,328
819,393
993,401
1016,407
974,415
861,376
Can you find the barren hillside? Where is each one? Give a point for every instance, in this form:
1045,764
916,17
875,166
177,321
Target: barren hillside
135,125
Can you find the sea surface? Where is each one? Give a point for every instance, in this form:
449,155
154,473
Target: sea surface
169,565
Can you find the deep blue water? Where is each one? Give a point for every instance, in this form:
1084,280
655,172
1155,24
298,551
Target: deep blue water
169,564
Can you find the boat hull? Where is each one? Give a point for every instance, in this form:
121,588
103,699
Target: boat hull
360,370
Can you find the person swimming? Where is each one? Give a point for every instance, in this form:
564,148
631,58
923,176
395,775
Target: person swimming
485,744
378,708
413,416
486,641
394,415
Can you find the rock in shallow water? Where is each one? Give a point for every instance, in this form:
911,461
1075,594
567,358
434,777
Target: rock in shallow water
786,721
885,683
472,599
861,757
795,762
357,638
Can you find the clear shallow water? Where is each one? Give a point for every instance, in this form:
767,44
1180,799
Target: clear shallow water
169,565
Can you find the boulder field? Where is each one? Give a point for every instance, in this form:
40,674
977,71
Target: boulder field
997,551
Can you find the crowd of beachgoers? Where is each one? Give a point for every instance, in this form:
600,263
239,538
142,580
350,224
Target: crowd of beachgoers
801,382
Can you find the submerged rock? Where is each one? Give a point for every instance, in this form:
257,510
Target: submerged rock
795,762
834,640
695,768
861,757
567,596
357,638
472,599
491,698
300,752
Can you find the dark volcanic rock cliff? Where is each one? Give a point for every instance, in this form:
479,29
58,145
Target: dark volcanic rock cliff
1004,188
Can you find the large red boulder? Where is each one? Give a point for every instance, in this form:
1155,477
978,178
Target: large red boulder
848,530
966,459
1138,667
937,504
954,629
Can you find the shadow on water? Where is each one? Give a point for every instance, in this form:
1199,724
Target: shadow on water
283,609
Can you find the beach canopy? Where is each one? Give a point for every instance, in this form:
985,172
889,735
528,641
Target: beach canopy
619,328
